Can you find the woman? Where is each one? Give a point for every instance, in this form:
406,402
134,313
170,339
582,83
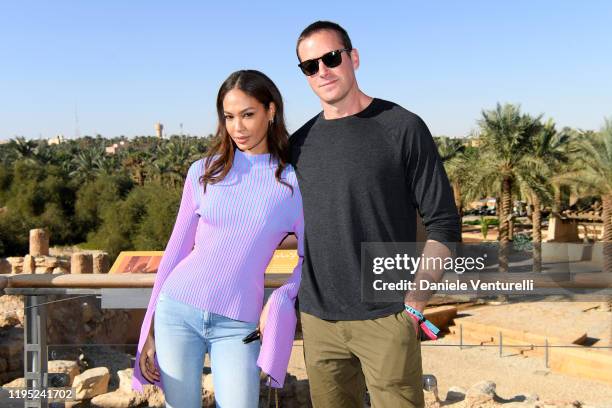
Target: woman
238,204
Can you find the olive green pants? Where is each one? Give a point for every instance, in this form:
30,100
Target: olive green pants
343,357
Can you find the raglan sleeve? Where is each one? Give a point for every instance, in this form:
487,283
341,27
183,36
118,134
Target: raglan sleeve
280,327
428,181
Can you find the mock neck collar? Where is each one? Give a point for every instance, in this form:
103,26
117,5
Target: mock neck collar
242,159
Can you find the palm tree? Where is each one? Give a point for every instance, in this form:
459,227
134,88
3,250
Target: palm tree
44,154
158,170
449,148
551,152
175,156
506,139
107,164
568,148
135,162
24,149
85,163
451,152
595,177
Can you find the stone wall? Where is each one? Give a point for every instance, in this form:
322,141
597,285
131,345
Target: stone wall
69,321
79,262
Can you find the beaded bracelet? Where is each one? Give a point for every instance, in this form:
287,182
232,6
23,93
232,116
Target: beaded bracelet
428,327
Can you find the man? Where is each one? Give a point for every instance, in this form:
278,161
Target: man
364,167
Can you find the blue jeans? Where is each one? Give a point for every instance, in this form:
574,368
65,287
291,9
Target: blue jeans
183,335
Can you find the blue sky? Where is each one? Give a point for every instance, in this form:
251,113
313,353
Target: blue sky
124,65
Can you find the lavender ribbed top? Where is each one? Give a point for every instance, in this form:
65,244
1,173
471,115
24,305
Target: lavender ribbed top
219,249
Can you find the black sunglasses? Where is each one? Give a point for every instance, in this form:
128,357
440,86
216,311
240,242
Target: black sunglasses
331,60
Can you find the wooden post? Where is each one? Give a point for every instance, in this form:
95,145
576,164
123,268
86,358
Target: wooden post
39,242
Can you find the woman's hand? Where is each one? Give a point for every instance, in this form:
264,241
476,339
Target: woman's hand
263,318
147,358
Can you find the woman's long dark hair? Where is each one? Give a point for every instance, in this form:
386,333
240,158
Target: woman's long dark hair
260,87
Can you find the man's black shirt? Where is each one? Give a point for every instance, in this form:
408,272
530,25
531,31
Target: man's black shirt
362,179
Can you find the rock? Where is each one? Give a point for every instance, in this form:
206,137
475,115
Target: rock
91,382
47,261
126,397
481,393
455,394
80,263
59,270
15,362
11,311
66,323
483,387
76,404
101,263
431,399
604,306
125,379
39,242
10,376
16,264
29,264
12,344
118,399
208,385
559,404
152,393
208,397
5,266
16,383
154,396
69,367
43,270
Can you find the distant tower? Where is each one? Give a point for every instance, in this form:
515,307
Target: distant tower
159,129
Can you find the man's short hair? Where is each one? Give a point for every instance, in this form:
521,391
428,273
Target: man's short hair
324,25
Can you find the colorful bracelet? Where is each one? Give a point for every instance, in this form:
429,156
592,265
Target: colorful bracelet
428,327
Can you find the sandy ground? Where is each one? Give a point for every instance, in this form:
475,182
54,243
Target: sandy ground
515,375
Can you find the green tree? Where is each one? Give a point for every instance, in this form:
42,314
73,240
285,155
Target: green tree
95,196
156,226
595,177
86,164
143,220
23,148
506,137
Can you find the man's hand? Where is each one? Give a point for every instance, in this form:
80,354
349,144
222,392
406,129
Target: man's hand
415,322
418,298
